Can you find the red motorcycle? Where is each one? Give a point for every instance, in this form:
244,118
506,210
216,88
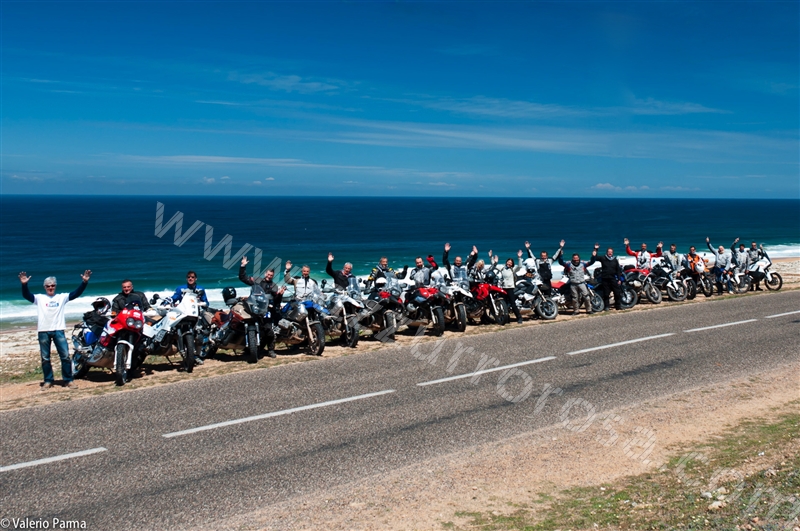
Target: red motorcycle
114,350
488,303
423,307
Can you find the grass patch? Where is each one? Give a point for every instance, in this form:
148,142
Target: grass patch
749,479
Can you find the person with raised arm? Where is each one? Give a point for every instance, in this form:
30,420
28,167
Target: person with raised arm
576,272
644,258
610,271
544,266
340,278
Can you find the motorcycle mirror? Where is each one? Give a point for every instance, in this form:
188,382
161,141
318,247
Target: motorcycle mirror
324,282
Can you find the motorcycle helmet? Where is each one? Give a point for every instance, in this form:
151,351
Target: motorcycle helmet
228,294
101,305
380,282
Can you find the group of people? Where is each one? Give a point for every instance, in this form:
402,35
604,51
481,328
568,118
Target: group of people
51,306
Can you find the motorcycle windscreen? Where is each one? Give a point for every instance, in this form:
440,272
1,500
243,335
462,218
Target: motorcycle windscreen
353,289
258,301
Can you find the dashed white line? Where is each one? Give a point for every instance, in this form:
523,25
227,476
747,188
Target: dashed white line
52,459
478,373
720,325
612,345
782,314
275,414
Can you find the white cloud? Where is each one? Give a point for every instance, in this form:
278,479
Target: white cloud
257,182
285,83
350,182
224,178
679,189
270,179
653,106
606,186
208,180
440,183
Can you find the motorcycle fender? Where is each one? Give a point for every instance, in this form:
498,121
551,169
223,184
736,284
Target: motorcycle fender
130,352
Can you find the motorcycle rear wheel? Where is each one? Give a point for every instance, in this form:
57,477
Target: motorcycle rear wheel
79,366
547,309
461,317
350,337
653,294
120,355
316,343
775,284
743,286
252,346
437,326
596,302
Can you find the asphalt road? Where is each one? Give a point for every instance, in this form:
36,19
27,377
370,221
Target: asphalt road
179,455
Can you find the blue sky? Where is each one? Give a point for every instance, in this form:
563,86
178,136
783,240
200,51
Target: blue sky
589,99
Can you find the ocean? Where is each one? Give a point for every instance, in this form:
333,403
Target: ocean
116,237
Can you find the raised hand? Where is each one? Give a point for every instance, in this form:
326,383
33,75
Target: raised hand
474,250
86,275
736,240
288,265
626,241
527,245
330,257
24,278
660,244
519,253
244,261
490,253
561,244
708,240
447,247
596,245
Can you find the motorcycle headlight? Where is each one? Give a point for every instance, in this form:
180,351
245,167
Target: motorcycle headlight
138,324
129,322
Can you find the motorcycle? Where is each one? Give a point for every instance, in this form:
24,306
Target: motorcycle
642,282
664,278
175,330
563,296
425,306
114,349
383,308
344,306
488,303
458,295
762,270
300,323
240,327
531,301
738,280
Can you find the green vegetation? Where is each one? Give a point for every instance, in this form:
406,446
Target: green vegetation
747,480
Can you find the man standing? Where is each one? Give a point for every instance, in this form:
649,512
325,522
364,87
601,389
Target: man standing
340,278
544,266
383,269
754,255
644,259
610,271
723,262
576,272
458,271
268,286
127,296
508,281
51,324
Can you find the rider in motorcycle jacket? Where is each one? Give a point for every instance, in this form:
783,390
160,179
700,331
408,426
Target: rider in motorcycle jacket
303,285
610,271
269,286
340,278
190,286
458,268
421,274
723,262
673,259
383,269
754,255
740,258
127,296
644,259
576,272
544,266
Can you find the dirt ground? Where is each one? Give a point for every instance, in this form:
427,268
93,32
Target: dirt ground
20,361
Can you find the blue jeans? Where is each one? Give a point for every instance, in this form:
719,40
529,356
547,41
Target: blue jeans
57,337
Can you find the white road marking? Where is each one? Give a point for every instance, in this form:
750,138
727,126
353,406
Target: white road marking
470,375
720,325
612,345
274,414
782,314
52,459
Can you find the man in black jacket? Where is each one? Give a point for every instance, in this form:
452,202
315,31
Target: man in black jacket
277,294
340,278
127,296
610,269
544,266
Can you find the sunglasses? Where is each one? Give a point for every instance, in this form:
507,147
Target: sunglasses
190,278
50,286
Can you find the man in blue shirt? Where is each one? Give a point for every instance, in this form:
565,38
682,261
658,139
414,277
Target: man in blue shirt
191,285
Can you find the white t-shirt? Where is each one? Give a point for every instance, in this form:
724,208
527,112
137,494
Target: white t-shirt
51,311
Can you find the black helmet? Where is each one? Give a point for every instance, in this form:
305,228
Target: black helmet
229,294
101,305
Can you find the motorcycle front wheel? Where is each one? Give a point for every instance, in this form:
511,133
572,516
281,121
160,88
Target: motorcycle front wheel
350,337
79,366
775,283
252,346
706,286
120,355
677,295
501,315
461,317
652,293
188,354
389,325
691,289
437,326
628,296
316,343
597,302
547,309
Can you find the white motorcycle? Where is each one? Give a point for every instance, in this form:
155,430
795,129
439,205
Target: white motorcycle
762,270
174,331
344,306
